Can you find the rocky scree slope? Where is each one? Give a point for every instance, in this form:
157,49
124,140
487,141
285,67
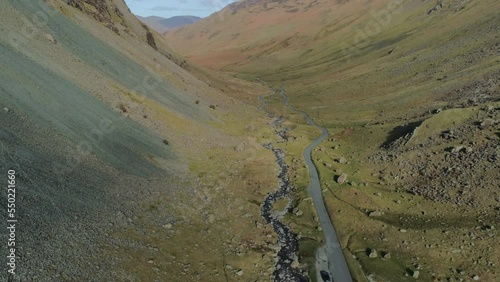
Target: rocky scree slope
102,128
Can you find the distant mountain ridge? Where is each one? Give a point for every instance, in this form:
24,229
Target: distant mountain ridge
163,25
289,5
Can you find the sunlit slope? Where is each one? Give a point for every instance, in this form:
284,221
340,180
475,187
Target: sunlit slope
409,93
367,54
257,31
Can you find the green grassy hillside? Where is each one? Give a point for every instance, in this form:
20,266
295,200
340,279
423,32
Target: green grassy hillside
409,92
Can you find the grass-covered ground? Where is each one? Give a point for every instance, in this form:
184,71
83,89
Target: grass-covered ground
395,108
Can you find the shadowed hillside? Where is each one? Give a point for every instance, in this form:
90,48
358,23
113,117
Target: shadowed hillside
116,143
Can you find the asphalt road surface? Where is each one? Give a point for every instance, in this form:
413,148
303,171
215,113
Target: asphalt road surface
337,264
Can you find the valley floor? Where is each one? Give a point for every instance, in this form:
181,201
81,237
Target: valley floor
424,205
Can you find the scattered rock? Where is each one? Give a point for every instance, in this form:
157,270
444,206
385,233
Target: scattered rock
251,128
461,148
50,38
436,8
151,261
448,134
476,278
457,149
487,123
342,160
375,214
386,255
239,272
211,218
6,109
402,230
342,178
167,226
416,274
373,253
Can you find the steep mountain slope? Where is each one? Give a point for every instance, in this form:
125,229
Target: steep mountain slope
251,29
124,154
163,25
409,92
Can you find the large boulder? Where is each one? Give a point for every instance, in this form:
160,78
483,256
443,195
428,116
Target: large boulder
342,178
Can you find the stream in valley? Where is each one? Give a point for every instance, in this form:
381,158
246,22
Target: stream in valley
287,240
334,266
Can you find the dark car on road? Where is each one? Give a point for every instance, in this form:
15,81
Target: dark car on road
325,276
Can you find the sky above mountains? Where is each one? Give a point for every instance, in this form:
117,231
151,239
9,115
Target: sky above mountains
170,8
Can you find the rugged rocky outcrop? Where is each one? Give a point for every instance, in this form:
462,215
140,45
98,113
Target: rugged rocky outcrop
100,10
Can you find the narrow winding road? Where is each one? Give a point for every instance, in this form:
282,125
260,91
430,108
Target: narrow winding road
337,265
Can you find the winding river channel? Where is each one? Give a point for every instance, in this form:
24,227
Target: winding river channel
336,266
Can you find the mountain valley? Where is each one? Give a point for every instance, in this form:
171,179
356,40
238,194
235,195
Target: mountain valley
182,156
